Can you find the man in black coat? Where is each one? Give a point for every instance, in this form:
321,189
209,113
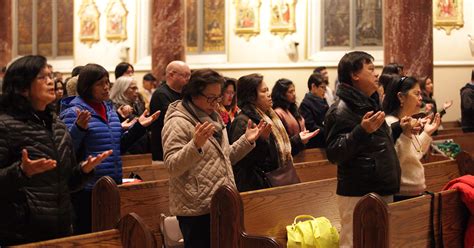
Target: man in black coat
359,140
467,106
177,76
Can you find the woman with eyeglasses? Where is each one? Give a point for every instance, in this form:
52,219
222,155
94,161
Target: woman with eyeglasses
403,100
38,169
228,106
94,126
198,155
274,149
428,102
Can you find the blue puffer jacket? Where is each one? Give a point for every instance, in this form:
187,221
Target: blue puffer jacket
101,135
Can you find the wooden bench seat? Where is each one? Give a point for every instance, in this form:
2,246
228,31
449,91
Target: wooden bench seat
130,231
267,212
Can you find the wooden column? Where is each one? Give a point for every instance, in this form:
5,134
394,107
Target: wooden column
168,34
408,35
6,40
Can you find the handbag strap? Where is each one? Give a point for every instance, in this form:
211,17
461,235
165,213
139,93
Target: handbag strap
300,217
432,219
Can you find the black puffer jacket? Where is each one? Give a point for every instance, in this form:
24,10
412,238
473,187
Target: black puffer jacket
365,162
36,208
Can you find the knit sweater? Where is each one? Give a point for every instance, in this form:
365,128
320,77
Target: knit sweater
409,151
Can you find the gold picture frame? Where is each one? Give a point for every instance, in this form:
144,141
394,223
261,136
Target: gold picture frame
89,22
448,15
282,17
247,14
116,16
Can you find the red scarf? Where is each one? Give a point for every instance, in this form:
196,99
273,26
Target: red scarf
99,108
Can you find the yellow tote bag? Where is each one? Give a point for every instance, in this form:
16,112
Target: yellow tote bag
312,233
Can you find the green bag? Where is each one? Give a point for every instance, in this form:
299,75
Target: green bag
312,233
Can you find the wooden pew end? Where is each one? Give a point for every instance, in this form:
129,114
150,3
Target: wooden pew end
134,232
105,204
227,222
371,219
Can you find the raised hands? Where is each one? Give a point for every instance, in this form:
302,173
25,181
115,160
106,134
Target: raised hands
92,162
410,125
254,131
125,111
432,126
202,132
127,123
82,119
32,167
447,104
147,120
371,122
307,135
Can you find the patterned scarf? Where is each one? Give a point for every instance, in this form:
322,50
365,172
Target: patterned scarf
283,143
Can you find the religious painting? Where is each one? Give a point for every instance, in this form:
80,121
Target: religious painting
25,34
369,23
44,34
448,15
116,14
336,23
282,18
65,27
191,26
248,18
214,25
89,22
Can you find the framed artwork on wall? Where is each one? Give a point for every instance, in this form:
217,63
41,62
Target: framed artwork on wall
247,18
116,14
282,17
89,22
448,15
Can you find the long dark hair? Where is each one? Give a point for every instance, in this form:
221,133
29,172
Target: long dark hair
422,81
18,78
279,97
391,103
230,81
247,87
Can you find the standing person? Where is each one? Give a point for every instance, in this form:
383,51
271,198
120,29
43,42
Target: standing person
94,126
38,169
402,100
467,106
274,149
177,76
313,108
284,105
228,107
198,155
124,69
359,141
329,94
429,103
149,86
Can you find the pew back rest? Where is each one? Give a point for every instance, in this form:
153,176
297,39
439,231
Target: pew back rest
136,159
130,231
147,199
148,172
267,212
312,154
454,215
315,170
438,174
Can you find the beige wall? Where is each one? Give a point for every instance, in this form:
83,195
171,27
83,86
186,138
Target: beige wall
266,54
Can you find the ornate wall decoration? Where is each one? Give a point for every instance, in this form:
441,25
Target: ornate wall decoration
248,18
448,15
116,14
282,18
89,22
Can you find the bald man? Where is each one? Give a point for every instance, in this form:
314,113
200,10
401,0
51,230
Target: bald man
177,76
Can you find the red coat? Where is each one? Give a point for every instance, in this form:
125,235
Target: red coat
465,185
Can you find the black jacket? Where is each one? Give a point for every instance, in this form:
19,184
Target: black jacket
249,171
313,109
365,162
160,100
36,208
467,108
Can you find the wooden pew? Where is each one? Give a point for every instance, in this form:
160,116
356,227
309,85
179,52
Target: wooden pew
147,199
453,216
130,231
147,172
447,131
451,124
409,223
267,212
136,159
465,140
312,154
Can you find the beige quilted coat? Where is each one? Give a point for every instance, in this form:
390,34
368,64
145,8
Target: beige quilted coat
194,176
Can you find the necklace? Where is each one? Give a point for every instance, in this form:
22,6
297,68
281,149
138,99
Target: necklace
417,149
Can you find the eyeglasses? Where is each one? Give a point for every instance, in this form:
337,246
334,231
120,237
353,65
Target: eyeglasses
44,77
212,99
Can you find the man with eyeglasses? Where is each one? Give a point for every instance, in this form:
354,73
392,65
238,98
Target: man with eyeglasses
177,76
